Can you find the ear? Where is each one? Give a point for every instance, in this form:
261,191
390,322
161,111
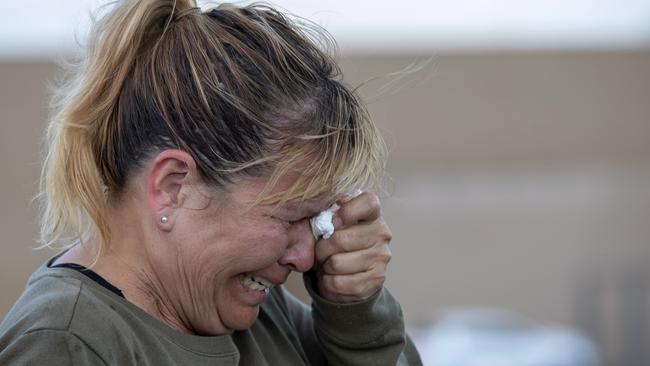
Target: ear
169,173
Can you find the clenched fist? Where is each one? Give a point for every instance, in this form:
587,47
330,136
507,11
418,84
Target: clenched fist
351,264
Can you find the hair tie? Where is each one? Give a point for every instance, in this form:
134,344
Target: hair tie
184,12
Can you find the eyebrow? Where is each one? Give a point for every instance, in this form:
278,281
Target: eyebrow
306,208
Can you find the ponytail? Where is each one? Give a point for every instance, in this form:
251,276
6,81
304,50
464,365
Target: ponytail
78,172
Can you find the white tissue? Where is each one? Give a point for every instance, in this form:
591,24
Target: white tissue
321,224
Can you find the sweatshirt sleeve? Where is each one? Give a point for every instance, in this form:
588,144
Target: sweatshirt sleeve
370,332
48,347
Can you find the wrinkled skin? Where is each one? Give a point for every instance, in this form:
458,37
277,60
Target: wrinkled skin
187,270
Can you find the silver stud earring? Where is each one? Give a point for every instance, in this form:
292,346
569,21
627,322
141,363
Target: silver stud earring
164,219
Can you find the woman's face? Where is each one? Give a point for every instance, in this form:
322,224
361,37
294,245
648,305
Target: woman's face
227,254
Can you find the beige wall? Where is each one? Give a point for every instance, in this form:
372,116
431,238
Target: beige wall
519,180
22,119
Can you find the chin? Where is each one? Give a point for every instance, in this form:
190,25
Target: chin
243,318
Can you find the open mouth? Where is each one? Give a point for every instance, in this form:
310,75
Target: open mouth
255,282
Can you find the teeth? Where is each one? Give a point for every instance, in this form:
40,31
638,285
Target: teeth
256,283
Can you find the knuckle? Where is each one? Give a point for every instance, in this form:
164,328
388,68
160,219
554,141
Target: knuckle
373,202
339,238
385,233
378,273
386,255
337,284
334,263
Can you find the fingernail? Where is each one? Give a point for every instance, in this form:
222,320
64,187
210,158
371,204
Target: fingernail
337,222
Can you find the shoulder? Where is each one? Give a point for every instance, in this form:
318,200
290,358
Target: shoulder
61,299
38,327
67,308
48,302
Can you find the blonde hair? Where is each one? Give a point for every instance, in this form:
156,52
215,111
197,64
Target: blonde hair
244,90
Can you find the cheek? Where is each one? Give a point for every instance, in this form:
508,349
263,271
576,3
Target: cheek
239,244
276,237
269,240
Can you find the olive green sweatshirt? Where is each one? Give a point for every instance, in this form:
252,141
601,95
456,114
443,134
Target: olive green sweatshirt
65,318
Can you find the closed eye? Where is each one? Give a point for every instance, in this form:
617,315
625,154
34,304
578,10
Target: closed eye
289,223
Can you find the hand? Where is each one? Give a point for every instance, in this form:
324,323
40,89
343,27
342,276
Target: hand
351,264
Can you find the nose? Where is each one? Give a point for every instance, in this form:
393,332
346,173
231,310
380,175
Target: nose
299,255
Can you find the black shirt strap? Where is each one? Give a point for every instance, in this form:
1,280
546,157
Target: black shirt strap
92,275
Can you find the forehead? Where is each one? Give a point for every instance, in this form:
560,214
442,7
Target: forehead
302,185
249,190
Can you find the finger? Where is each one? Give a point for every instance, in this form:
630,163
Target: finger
359,261
361,285
353,238
365,207
345,240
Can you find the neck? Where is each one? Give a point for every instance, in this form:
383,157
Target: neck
125,264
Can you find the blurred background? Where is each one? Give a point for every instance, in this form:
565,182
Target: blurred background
520,165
